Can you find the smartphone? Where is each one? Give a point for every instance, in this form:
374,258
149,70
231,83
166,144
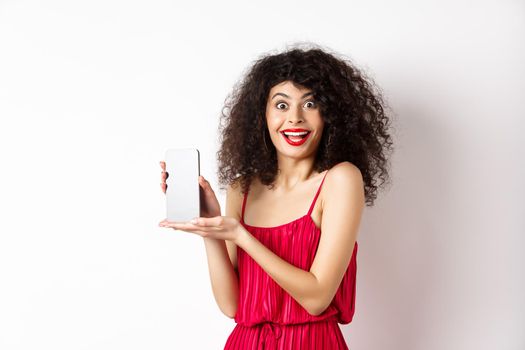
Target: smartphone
182,193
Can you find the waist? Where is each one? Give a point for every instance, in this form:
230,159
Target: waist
329,318
269,334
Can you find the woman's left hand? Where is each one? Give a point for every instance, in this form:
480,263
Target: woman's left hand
218,227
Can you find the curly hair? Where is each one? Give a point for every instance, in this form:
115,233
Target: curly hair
352,107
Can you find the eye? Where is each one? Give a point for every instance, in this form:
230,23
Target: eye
279,104
312,104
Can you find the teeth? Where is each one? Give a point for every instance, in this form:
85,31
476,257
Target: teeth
299,133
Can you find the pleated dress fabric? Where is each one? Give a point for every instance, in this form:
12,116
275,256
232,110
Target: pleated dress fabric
267,316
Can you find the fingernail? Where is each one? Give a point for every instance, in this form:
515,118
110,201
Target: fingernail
194,221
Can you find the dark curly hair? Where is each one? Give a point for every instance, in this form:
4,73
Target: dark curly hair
352,107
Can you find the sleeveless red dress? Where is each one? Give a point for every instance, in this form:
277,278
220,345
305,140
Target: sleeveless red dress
267,316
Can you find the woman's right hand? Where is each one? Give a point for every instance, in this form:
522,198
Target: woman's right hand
210,206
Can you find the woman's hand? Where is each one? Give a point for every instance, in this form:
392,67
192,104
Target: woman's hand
219,227
210,206
210,224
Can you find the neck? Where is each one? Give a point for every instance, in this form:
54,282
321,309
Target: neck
293,171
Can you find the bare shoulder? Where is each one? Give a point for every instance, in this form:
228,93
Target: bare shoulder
344,178
345,171
234,199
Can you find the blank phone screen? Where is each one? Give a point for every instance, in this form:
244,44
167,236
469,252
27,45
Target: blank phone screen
182,193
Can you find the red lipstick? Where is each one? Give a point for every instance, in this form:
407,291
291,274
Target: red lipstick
295,130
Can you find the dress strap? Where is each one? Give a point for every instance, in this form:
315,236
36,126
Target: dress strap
316,195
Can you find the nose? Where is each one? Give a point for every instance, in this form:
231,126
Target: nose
296,116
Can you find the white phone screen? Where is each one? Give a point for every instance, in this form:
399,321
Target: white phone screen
182,193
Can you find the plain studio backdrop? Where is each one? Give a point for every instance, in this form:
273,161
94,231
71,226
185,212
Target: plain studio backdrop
92,94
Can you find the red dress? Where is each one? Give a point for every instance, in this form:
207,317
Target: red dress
267,316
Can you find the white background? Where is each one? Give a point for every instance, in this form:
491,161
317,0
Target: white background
93,92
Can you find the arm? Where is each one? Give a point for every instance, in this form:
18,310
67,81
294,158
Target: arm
222,264
342,208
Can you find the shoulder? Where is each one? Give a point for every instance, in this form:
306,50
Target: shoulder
234,187
344,179
234,198
345,172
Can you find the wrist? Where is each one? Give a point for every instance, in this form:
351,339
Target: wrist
241,236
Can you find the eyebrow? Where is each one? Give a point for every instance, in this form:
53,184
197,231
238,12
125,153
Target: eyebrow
285,95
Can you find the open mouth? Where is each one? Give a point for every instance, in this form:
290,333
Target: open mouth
295,138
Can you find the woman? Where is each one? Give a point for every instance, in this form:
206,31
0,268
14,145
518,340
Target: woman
304,140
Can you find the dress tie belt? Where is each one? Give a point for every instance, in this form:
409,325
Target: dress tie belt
270,332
